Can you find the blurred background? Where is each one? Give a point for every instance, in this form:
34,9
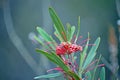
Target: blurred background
18,19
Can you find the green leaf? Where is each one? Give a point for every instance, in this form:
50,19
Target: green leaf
41,42
92,53
70,31
58,24
48,76
102,74
54,58
74,75
38,40
96,66
61,63
58,35
57,60
82,57
88,75
78,29
47,37
49,56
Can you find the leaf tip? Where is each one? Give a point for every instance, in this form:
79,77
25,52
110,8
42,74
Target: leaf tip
99,38
78,18
35,78
37,50
37,27
50,8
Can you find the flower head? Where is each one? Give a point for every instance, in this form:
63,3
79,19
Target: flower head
67,48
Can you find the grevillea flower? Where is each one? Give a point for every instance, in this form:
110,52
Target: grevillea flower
60,50
67,48
74,48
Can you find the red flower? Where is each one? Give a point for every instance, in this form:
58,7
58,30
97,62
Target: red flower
67,48
60,50
74,48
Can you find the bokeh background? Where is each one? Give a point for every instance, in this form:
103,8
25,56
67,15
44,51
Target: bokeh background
18,19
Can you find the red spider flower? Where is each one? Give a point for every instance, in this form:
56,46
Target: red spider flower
67,48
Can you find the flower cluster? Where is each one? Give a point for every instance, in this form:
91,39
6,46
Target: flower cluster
67,48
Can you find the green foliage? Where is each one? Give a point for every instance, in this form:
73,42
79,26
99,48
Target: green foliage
96,66
102,74
92,53
57,60
86,58
82,57
78,29
57,34
49,76
70,32
88,75
75,76
38,40
46,37
54,58
58,24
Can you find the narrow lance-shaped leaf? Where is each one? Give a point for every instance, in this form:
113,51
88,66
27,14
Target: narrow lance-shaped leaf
70,31
82,57
57,60
74,75
65,68
88,75
46,54
58,24
102,74
47,37
61,63
54,58
92,53
78,29
38,40
41,42
57,34
48,76
94,75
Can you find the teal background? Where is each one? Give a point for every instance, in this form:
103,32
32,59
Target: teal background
96,17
